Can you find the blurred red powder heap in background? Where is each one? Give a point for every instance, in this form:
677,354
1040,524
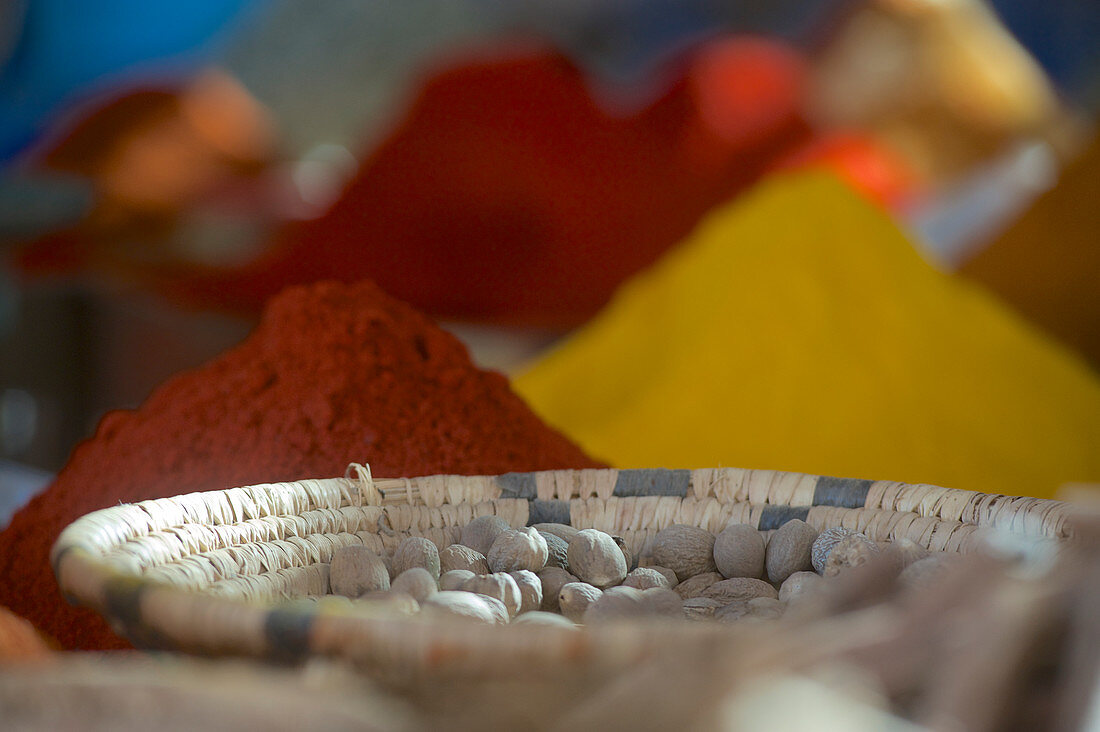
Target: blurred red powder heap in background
509,194
333,374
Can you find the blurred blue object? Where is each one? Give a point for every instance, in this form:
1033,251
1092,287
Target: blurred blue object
1064,37
18,484
59,52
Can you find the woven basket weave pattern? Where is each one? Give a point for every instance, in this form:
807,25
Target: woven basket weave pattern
252,546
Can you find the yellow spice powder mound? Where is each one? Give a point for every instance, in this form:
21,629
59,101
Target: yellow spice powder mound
798,329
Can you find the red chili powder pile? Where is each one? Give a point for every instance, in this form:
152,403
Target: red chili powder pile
333,374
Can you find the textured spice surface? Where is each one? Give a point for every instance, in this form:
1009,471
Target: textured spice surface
333,374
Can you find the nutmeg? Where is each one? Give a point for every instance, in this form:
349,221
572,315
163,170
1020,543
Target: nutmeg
799,585
540,617
851,551
644,578
739,552
416,582
553,579
596,558
700,608
686,550
824,543
385,604
662,602
694,586
565,532
499,585
459,606
788,550
457,556
616,603
416,551
517,549
575,597
453,579
530,590
739,588
480,533
557,551
497,608
356,569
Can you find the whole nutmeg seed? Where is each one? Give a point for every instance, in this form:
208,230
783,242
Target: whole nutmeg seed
694,586
558,551
416,582
530,590
851,551
451,605
416,551
739,552
596,558
517,549
553,579
686,550
480,533
565,532
499,585
700,608
615,603
643,578
738,589
386,604
824,543
539,617
496,607
457,556
575,597
799,585
662,602
668,573
454,579
789,550
356,569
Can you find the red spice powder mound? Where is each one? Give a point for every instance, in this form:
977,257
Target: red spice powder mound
333,374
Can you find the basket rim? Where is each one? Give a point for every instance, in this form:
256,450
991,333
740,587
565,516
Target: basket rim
93,567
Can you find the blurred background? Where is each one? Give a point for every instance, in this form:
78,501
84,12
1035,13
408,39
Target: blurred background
503,166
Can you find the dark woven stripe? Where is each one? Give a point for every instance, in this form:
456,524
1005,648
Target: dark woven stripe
123,599
517,485
122,595
548,512
287,633
652,482
55,561
841,492
773,517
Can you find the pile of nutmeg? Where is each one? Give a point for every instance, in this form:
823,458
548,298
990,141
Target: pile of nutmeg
558,574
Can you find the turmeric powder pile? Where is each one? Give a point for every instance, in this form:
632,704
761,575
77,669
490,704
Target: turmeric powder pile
798,329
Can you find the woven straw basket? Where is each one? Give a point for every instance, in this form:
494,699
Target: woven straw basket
210,572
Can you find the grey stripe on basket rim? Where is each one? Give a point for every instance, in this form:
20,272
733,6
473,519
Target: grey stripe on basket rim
652,482
772,517
841,492
548,512
287,632
122,597
517,485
